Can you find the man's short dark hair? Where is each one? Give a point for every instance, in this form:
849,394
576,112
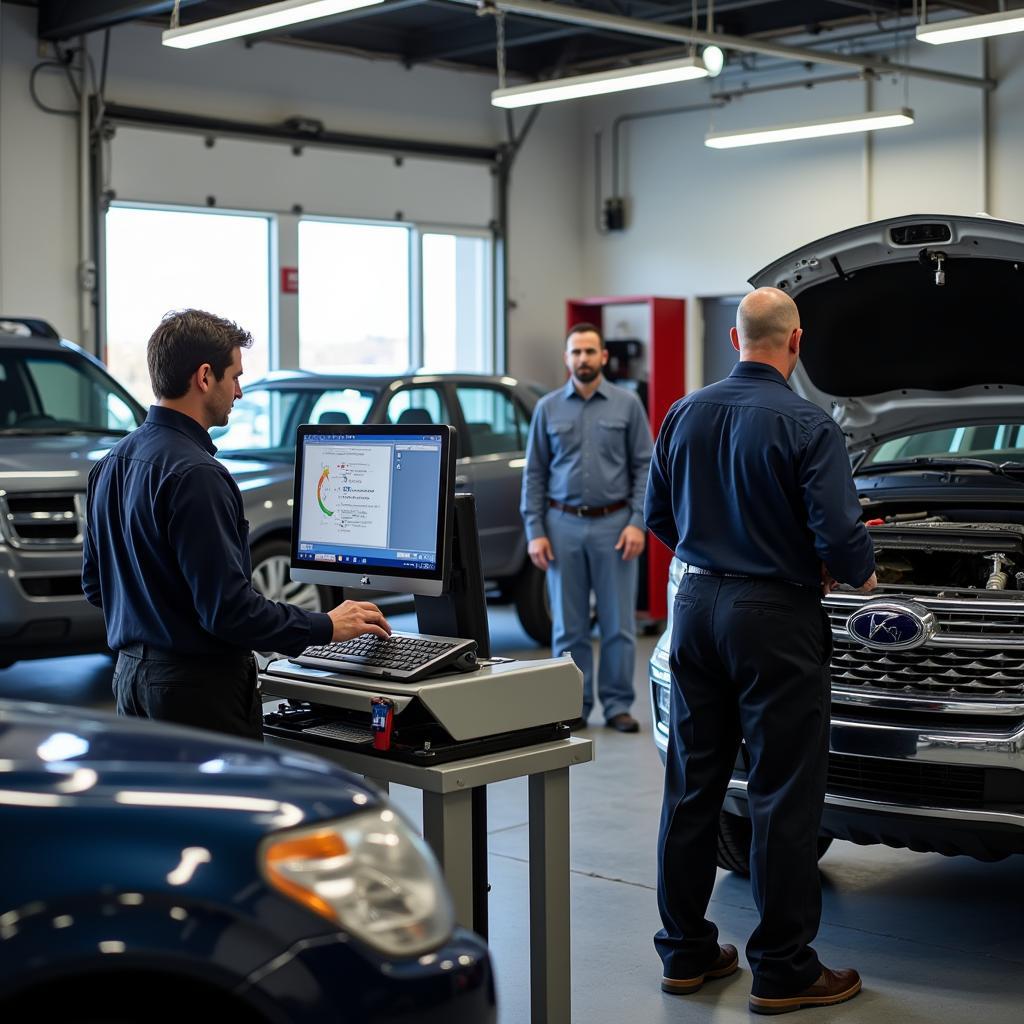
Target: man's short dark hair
588,329
185,339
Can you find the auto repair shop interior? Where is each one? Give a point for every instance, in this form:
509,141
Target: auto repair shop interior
408,203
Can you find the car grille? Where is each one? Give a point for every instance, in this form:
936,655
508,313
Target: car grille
977,652
922,782
961,621
929,670
42,520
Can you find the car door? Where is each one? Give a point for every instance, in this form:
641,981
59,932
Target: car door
493,456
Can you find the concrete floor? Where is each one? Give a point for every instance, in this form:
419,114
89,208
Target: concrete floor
935,939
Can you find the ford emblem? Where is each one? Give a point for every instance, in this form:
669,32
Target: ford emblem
892,625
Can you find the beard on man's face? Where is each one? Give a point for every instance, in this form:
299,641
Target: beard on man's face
586,373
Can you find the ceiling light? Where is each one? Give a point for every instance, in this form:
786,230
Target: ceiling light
639,77
958,29
714,60
810,129
257,19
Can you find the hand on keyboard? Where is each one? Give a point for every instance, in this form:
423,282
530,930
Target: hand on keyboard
354,618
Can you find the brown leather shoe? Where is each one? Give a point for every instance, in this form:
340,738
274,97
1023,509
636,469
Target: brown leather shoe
623,722
831,988
728,962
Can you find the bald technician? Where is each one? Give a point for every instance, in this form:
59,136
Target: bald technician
750,487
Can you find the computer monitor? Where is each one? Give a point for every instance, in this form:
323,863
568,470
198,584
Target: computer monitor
373,507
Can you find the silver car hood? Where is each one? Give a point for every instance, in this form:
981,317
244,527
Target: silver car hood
886,349
250,474
41,462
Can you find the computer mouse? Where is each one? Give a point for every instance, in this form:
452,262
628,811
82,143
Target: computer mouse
465,662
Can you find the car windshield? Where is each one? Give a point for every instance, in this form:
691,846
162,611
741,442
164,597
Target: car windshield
264,419
61,392
989,442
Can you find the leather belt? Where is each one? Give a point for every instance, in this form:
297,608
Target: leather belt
589,511
696,570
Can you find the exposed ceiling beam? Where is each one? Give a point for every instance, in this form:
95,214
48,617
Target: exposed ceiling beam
65,19
655,12
743,44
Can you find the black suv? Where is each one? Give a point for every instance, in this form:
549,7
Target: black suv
911,339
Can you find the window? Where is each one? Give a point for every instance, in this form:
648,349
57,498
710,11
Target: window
494,422
163,259
259,422
349,405
996,442
60,392
354,297
457,307
418,405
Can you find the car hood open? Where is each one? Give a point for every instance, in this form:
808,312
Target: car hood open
887,349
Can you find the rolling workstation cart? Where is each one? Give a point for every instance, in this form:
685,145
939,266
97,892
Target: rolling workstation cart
453,771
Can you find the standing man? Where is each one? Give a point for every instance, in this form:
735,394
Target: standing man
587,460
751,489
167,552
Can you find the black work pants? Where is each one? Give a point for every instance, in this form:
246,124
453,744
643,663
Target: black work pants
216,692
749,659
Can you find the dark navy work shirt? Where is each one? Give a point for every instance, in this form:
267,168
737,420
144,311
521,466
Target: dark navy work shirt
749,478
167,550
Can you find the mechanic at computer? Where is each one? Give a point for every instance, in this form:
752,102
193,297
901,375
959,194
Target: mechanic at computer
167,555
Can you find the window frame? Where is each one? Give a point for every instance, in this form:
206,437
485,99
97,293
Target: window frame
417,231
273,310
486,235
283,231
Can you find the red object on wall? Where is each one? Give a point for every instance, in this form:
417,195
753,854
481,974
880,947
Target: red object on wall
290,280
666,361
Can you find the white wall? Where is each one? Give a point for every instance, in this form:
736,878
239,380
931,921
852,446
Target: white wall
268,83
701,221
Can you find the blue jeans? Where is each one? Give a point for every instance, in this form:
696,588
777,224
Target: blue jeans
586,561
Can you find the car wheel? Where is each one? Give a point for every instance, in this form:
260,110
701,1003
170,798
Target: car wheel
271,577
734,835
533,605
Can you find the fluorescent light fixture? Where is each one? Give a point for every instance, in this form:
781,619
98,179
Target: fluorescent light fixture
257,19
810,129
959,29
640,77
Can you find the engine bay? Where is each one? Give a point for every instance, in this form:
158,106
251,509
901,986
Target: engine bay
930,551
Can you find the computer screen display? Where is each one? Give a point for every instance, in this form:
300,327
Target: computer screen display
373,506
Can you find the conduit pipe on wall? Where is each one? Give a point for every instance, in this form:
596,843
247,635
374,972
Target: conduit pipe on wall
86,266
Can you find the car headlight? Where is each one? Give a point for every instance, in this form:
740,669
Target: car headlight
370,875
659,666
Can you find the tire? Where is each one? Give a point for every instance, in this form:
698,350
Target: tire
533,605
734,835
270,577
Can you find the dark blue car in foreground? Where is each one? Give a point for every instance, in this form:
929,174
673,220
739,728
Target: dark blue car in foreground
151,873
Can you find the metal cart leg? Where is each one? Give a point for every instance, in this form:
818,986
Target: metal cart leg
448,828
549,897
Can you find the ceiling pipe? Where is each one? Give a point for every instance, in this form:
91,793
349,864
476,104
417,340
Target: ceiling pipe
743,44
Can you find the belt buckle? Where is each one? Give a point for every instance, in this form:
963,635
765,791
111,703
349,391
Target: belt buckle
581,511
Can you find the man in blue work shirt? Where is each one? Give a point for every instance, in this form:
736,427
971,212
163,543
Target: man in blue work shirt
750,487
167,552
587,459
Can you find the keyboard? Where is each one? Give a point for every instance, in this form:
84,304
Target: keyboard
340,731
405,657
